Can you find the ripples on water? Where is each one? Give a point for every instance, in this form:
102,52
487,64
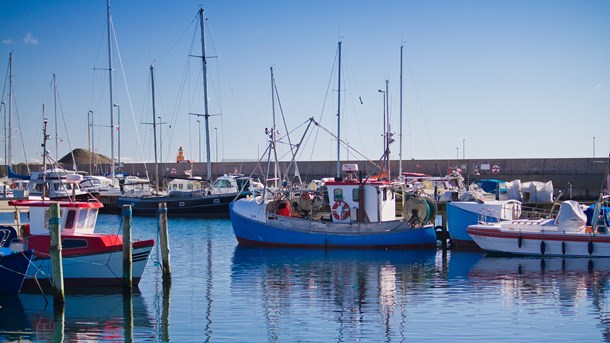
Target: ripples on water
224,293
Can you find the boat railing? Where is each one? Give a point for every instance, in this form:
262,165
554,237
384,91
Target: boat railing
12,216
531,212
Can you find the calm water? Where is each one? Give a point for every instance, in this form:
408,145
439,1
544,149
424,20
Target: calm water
223,293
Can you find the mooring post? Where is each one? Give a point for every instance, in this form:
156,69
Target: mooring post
127,250
164,241
57,272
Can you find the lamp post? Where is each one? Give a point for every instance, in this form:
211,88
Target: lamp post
593,146
464,149
216,131
118,132
457,153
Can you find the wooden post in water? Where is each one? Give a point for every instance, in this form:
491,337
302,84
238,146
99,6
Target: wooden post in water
127,251
164,241
55,251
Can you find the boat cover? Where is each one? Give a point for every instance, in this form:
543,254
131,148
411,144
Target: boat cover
571,217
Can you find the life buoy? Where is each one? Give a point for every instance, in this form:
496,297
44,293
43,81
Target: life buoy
340,210
13,185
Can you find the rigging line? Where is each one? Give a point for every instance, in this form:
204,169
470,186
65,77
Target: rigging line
61,110
345,145
421,109
285,128
118,52
25,154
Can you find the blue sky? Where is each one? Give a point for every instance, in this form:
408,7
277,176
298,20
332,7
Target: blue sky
504,79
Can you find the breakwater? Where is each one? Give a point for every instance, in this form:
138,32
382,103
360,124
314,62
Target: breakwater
577,178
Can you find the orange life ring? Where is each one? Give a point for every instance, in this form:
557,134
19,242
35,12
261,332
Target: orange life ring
340,210
13,186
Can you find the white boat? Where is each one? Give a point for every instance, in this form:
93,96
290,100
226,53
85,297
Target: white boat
89,258
566,235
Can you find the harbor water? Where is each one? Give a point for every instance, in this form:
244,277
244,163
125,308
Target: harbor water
221,292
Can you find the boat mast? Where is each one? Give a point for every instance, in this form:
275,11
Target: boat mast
111,100
55,110
400,134
10,112
276,171
154,123
339,114
206,114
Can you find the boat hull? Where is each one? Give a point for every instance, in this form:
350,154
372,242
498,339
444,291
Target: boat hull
102,269
13,268
209,206
572,244
461,214
297,232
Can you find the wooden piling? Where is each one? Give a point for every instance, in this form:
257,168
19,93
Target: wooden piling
164,241
55,251
127,250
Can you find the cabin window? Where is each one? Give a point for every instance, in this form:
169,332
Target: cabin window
70,219
338,194
70,243
190,186
385,194
92,217
222,184
82,218
355,196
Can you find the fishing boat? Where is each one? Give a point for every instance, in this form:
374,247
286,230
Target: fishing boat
360,214
13,266
566,235
89,258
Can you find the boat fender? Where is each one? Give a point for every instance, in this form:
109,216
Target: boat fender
24,230
520,241
542,247
563,248
340,210
590,247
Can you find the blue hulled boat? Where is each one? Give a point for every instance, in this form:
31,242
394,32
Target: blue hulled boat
13,269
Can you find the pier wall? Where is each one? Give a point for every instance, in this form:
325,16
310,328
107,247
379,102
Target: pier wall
576,178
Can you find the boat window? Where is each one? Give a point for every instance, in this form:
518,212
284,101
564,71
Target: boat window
222,184
92,217
71,243
82,218
70,219
189,186
385,194
355,196
338,194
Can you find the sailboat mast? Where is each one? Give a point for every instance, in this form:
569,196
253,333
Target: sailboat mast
339,113
152,82
10,112
55,110
400,133
205,97
111,99
273,130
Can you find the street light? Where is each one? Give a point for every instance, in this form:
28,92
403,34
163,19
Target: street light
216,131
118,131
464,149
593,146
457,153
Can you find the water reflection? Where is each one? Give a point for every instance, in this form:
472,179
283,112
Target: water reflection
86,317
352,290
